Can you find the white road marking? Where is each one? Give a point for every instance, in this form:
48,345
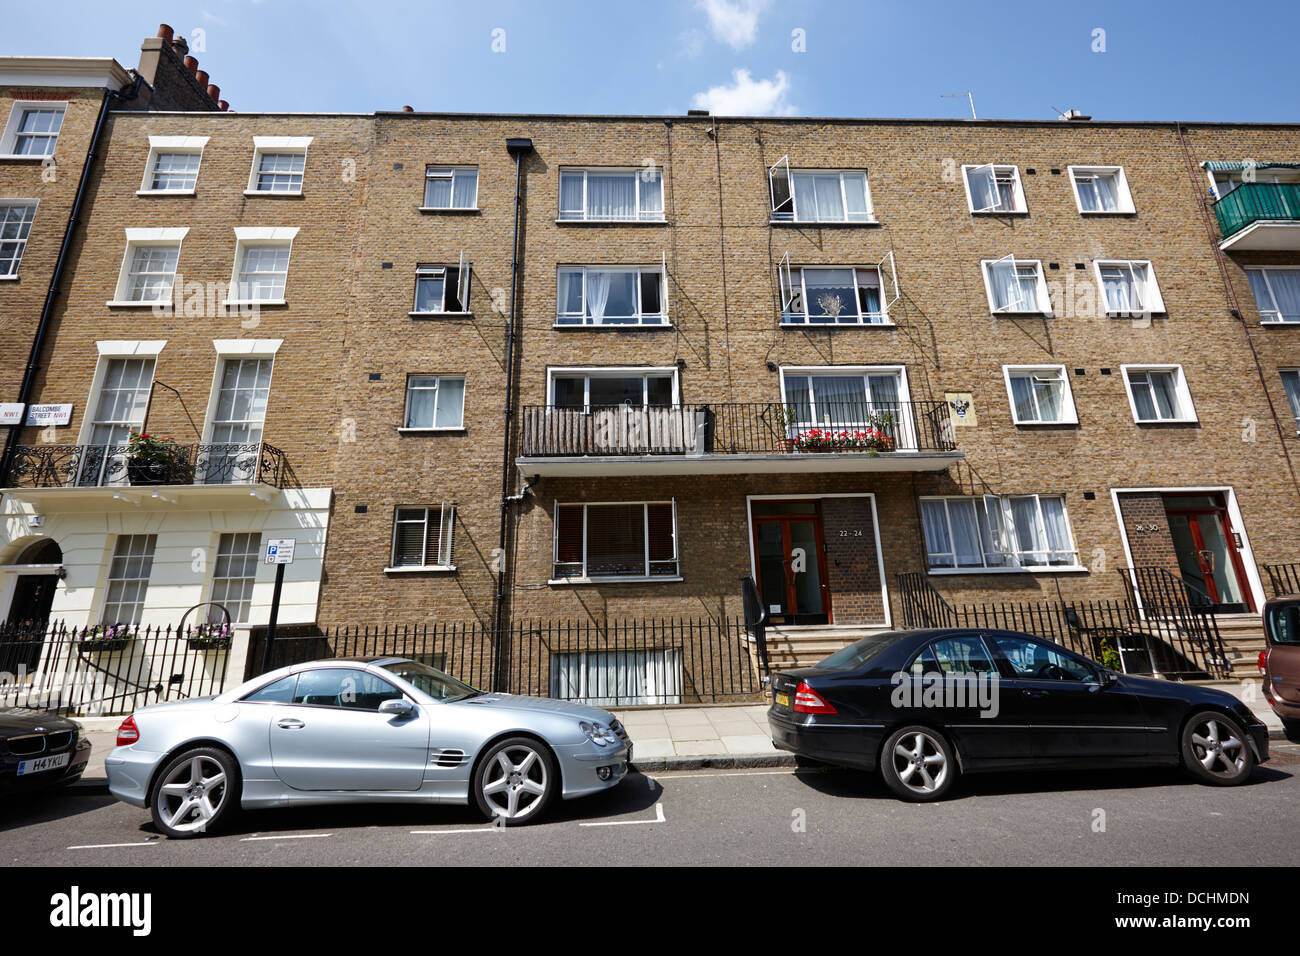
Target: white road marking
487,829
110,846
659,818
292,836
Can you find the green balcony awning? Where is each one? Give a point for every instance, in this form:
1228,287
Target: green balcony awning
1237,165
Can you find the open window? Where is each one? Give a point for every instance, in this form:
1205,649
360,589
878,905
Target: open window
1016,286
991,188
462,284
442,289
786,280
778,178
1128,287
889,293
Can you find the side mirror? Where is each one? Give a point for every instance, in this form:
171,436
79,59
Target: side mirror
398,708
1106,678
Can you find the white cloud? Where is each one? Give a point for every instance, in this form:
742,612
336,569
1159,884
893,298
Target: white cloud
746,96
734,22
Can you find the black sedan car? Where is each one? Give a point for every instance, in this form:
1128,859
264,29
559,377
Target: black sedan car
39,750
924,706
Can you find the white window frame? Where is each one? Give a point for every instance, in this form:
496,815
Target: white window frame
165,145
144,238
1020,205
1123,197
782,168
618,371
438,378
1293,398
31,204
447,524
247,237
434,171
585,577
9,139
255,537
148,558
1045,300
1148,290
1268,283
277,144
568,215
785,277
640,320
661,668
430,270
1068,414
1183,393
1000,521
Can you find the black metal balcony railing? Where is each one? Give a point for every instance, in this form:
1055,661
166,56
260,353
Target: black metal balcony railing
1250,203
91,466
748,428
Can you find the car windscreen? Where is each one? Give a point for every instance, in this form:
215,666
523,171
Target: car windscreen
431,681
860,652
1283,623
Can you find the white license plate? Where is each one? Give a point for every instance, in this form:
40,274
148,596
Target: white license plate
43,763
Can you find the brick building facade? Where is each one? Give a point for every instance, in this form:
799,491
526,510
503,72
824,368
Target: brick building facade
1022,335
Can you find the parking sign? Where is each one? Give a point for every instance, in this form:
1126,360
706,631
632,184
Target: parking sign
280,550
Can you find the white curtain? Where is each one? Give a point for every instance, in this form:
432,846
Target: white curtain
805,197
465,189
983,188
618,678
934,519
966,534
1028,535
1022,391
840,400
451,403
611,197
1121,286
1007,290
1106,199
1058,532
652,195
597,293
830,203
1286,292
571,192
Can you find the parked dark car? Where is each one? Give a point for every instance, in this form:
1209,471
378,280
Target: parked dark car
1279,664
40,750
923,706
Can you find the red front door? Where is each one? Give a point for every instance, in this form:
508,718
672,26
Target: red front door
789,553
1208,553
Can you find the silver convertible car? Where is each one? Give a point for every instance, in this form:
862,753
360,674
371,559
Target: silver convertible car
360,730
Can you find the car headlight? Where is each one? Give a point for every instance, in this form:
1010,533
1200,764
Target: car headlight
598,734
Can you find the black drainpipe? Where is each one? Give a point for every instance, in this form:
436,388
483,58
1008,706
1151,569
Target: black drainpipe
518,148
42,328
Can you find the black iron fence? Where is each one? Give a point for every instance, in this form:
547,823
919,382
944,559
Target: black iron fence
109,670
1180,645
746,428
1283,579
88,466
620,663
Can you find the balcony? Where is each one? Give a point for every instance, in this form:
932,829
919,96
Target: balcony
1260,217
739,438
88,477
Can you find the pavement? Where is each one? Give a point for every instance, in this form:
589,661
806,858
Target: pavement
715,736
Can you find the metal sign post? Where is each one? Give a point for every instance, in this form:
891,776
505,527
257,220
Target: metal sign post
279,551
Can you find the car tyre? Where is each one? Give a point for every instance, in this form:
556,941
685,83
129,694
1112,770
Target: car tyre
1291,729
515,780
196,793
918,764
1215,749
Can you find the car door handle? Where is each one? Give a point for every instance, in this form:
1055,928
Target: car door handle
1034,693
290,723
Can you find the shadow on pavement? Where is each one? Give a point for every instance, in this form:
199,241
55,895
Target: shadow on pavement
27,809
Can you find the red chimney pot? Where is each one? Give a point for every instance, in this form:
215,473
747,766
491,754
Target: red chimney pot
224,105
191,64
166,32
214,91
202,77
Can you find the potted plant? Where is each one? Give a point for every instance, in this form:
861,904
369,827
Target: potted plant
211,636
789,442
103,638
149,460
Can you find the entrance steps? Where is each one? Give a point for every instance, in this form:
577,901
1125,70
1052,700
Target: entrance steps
1243,639
795,646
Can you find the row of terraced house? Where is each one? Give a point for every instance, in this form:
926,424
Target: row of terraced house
495,369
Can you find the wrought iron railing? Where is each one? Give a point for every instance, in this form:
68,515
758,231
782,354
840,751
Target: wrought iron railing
743,428
1283,579
1257,202
88,466
108,670
619,663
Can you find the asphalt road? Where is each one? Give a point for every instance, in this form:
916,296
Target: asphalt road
736,817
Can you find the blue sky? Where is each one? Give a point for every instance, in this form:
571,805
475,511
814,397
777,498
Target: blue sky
1158,59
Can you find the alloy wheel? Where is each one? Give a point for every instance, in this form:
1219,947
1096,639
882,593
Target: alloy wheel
1217,748
192,795
920,763
515,782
